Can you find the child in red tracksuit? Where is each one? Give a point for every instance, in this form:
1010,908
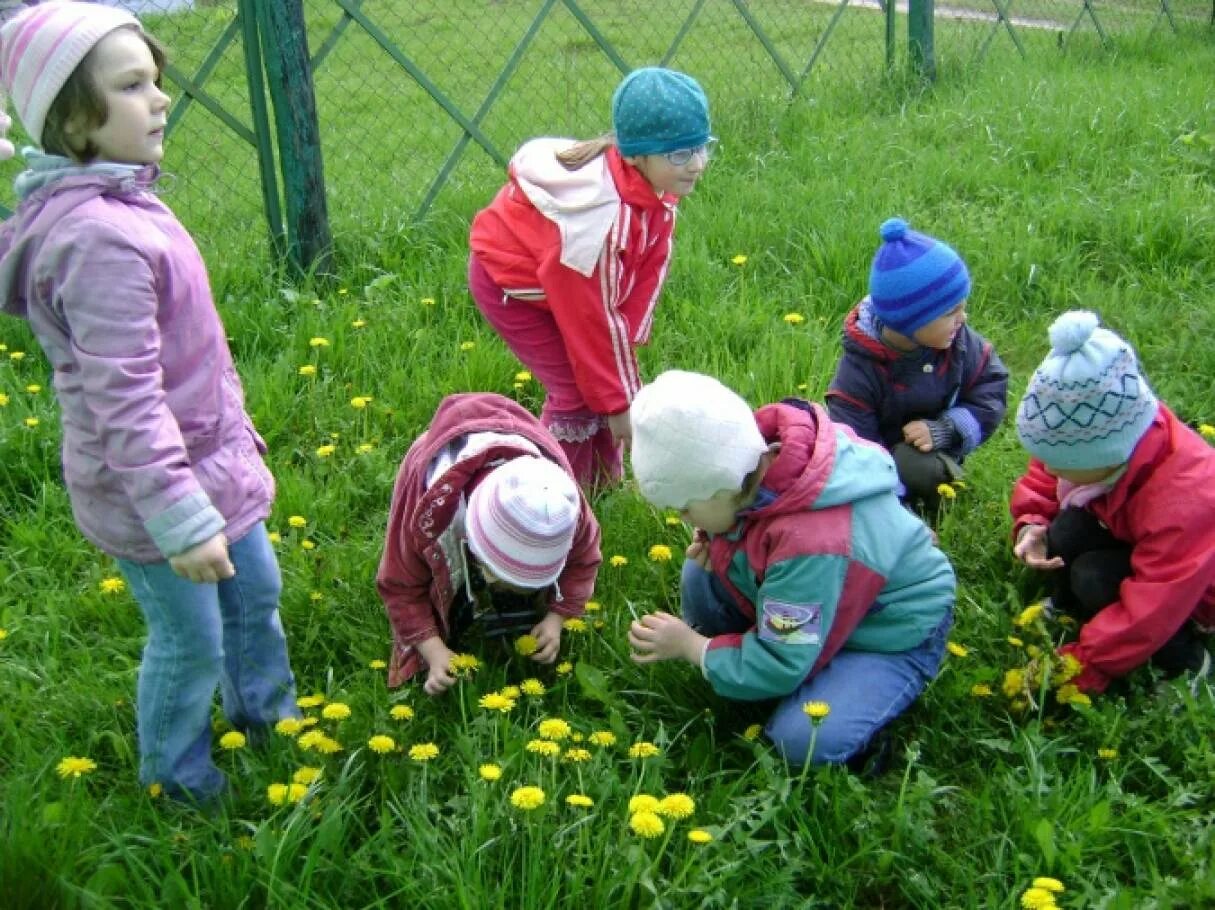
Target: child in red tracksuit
568,260
1118,504
488,529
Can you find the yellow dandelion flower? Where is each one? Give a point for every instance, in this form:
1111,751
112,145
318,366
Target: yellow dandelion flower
577,755
16,355
646,824
381,744
336,711
232,740
33,388
365,448
527,798
428,301
512,692
660,553
1033,650
956,649
496,701
532,687
309,721
1014,683
602,738
296,792
676,805
113,585
325,451
467,346
358,323
752,732
1107,754
307,370
464,663
318,342
288,726
327,745
310,701
31,422
3,399
981,690
574,624
274,537
1028,615
297,521
423,751
526,645
565,668
578,801
3,634
1068,694
1049,884
617,561
794,318
155,789
643,749
945,491
700,836
1038,899
377,664
1015,642
593,606
1069,668
739,260
643,802
306,775
523,376
816,710
276,794
75,767
1206,431
307,545
359,402
543,747
401,712
490,772
518,386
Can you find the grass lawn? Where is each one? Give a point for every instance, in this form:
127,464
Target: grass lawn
1073,181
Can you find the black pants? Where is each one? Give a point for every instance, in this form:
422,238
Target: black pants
922,472
1096,564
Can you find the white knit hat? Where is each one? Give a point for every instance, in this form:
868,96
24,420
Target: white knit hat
521,519
692,438
41,47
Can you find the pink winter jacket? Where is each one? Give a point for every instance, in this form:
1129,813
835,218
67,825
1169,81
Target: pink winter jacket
158,452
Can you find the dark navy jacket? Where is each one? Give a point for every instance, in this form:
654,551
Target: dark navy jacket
877,390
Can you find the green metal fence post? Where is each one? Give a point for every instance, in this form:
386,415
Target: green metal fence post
261,124
285,49
919,38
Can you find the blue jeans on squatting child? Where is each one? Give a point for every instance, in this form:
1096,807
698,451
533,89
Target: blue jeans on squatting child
200,636
865,689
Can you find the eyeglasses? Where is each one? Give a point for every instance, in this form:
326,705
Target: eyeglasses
680,157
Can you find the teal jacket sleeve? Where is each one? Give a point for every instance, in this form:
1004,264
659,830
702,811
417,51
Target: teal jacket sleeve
794,609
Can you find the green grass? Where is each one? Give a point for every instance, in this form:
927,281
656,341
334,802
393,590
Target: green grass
1080,181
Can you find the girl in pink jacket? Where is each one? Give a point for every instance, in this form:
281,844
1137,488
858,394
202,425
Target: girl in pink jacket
162,463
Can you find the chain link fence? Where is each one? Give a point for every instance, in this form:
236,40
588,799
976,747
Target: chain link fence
421,102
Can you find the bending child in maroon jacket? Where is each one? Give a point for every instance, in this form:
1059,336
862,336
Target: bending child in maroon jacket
1119,504
914,377
487,527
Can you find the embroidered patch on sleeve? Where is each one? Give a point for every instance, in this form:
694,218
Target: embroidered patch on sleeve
791,624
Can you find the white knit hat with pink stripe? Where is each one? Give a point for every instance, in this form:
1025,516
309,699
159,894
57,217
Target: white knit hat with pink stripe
41,48
521,519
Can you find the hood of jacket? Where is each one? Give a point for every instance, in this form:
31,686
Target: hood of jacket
820,464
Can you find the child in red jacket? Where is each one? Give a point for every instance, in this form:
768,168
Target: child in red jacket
487,528
568,260
1118,504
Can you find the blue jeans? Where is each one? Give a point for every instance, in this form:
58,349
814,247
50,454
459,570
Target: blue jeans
200,636
865,689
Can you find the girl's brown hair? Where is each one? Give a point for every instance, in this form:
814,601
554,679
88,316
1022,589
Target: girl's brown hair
586,151
80,105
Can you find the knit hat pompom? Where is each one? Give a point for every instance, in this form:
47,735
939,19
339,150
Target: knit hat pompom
893,229
692,438
1070,331
914,278
520,521
1087,405
657,110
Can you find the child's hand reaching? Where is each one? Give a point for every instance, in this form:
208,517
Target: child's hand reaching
918,434
661,636
548,638
698,550
204,563
1031,549
621,427
438,658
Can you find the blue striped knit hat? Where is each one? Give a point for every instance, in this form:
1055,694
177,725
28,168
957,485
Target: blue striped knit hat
915,278
656,110
1087,404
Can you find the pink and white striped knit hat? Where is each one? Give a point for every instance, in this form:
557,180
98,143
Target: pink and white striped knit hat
521,520
42,46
